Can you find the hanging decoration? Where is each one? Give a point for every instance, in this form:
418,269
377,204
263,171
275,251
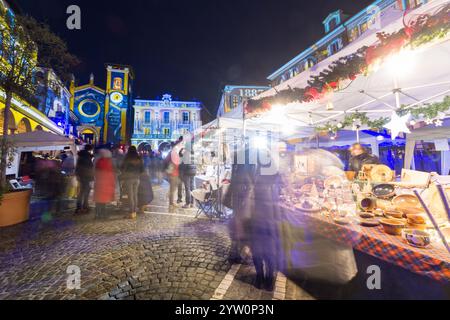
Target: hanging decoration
423,30
398,124
433,113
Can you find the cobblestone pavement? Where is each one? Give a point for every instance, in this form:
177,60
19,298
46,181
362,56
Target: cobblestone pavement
161,255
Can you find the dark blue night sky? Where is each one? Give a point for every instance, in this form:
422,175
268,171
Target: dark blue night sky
189,48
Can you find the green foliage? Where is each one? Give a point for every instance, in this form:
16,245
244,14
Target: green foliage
18,61
429,111
53,51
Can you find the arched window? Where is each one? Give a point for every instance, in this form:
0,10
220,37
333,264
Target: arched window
11,123
332,24
334,47
24,126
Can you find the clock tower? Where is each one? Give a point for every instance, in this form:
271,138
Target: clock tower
118,104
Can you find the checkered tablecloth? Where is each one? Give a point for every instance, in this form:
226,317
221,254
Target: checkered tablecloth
433,262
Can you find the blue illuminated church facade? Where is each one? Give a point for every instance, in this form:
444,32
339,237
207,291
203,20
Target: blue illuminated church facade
105,115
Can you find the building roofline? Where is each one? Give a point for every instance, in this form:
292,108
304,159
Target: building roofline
175,101
90,86
304,54
119,65
312,48
243,87
332,14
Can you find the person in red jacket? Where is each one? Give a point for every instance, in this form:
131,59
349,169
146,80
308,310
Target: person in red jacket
105,182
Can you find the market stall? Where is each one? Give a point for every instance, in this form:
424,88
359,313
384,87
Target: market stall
383,220
37,142
394,82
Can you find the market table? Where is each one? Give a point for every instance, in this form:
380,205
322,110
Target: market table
433,262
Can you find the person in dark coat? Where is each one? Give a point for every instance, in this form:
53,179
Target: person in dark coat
264,224
145,192
240,198
360,157
132,168
85,175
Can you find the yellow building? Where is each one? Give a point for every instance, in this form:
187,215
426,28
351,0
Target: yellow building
23,116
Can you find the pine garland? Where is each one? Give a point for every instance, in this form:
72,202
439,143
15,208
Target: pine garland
425,112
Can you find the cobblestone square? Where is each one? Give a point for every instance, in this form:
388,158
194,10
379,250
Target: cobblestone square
161,255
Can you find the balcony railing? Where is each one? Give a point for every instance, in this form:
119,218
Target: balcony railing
152,136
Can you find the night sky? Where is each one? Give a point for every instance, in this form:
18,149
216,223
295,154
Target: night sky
193,48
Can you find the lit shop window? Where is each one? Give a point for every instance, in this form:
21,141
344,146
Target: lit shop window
309,63
166,132
364,27
147,131
353,34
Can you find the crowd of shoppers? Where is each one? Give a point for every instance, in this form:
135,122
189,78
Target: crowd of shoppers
131,174
106,169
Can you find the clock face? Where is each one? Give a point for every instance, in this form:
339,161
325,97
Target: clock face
89,108
116,97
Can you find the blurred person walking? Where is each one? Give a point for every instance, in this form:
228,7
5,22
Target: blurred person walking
188,170
132,168
85,175
68,169
105,182
264,237
145,192
172,163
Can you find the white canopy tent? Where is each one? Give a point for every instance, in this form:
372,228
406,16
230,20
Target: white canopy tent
38,141
412,79
429,134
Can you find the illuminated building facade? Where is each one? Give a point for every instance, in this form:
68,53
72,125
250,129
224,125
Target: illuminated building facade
340,30
105,115
24,117
234,95
158,122
54,98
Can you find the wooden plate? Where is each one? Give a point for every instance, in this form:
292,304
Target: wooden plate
369,223
381,173
342,221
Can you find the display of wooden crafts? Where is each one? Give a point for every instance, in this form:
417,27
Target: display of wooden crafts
308,205
333,182
381,173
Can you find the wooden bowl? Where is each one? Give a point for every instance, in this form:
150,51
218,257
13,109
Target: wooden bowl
393,226
384,191
416,238
406,201
393,214
408,204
